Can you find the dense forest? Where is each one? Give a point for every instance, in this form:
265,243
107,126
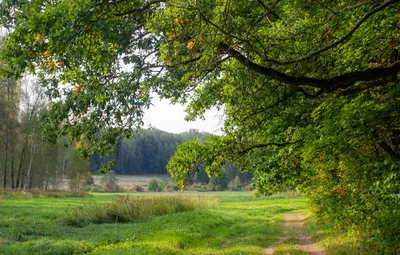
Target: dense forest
147,153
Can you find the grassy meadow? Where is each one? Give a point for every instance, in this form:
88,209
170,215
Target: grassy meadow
239,224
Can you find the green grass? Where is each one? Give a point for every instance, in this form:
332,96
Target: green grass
241,224
133,208
333,241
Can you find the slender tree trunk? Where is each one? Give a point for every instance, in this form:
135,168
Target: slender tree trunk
21,160
46,178
22,181
6,142
12,167
28,183
5,160
64,162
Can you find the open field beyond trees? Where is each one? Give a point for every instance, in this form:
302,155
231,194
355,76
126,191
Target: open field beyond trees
126,182
239,223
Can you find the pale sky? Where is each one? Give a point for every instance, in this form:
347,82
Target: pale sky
167,117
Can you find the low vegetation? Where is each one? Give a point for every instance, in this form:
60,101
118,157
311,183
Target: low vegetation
132,208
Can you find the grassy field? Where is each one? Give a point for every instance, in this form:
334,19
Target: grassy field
240,224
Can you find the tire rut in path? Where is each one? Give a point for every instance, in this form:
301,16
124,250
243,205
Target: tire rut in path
294,223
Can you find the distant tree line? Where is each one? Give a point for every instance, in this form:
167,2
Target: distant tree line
150,151
147,153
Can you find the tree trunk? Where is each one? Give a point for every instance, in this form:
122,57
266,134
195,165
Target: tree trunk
21,160
46,178
64,162
28,183
6,142
12,167
5,160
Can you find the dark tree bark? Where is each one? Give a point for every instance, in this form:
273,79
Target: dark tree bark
21,160
12,166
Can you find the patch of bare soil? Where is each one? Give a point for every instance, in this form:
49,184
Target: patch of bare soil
295,222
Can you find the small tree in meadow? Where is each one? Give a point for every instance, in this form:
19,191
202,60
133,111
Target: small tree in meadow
109,181
235,184
155,185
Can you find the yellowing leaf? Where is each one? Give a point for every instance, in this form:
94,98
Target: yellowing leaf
190,45
39,38
179,21
77,89
45,54
170,37
52,65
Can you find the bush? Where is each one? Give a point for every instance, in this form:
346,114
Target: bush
95,188
235,184
89,179
109,182
199,187
210,186
137,188
132,208
155,185
247,188
170,186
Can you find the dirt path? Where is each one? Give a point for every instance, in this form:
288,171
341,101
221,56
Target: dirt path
294,223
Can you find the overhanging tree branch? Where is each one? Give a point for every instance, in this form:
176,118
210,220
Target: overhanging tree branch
263,145
326,85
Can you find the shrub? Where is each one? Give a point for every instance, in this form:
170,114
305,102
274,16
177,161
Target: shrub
247,188
235,184
109,182
210,186
199,187
170,186
137,188
89,179
95,188
132,208
155,185
217,184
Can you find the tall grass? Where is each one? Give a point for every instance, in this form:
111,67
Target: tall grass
131,208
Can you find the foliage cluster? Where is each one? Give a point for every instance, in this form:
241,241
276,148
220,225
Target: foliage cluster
133,208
